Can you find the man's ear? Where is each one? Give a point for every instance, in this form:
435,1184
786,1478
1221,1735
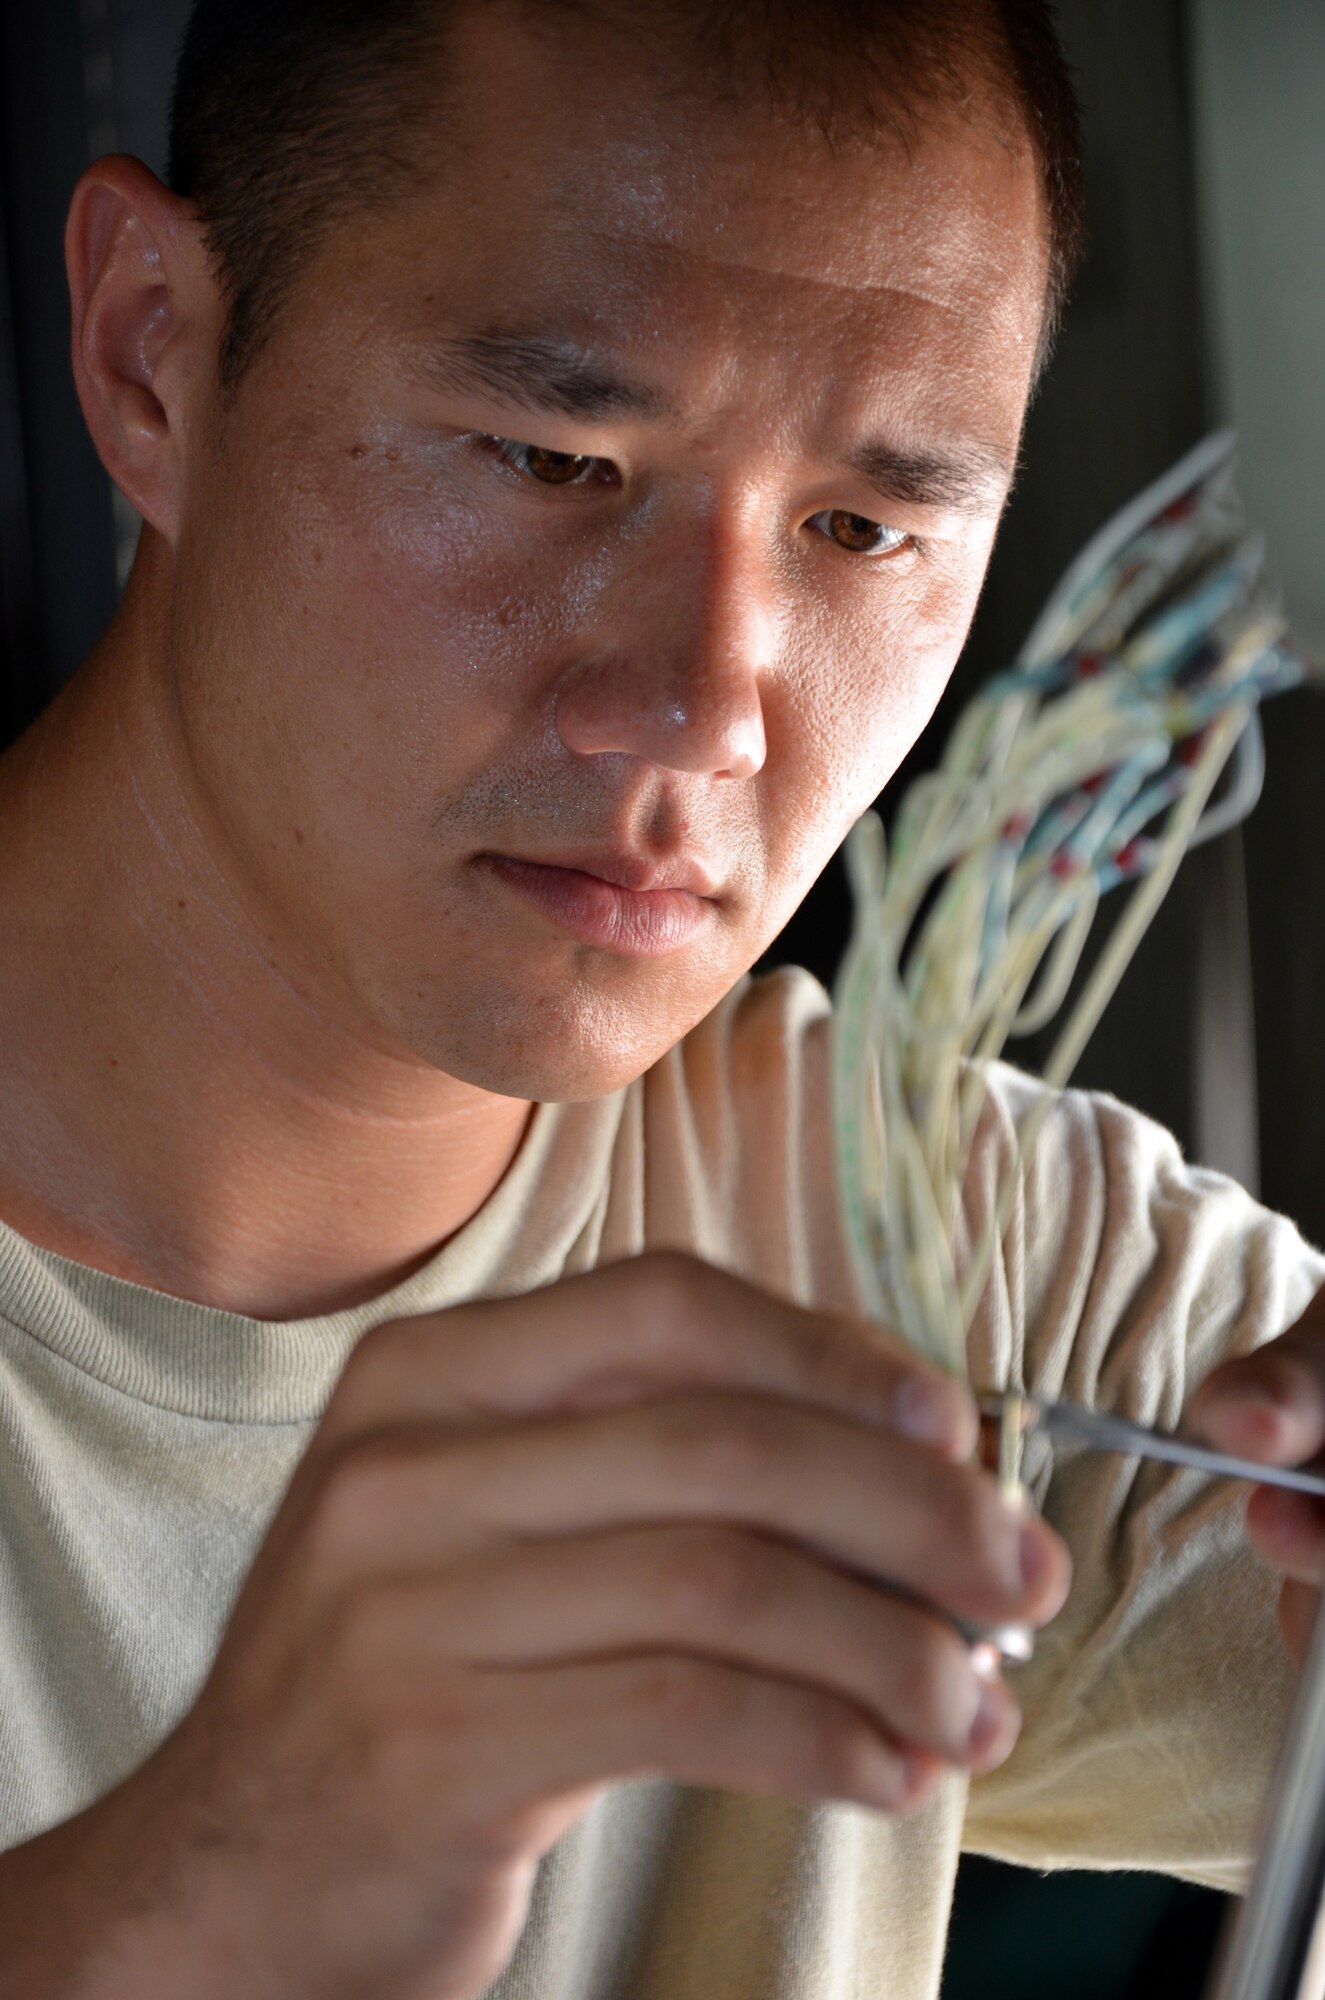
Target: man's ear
146,319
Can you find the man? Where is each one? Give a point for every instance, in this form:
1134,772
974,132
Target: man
456,1532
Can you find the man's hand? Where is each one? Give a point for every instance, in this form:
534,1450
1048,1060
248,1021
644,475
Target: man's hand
643,1523
1270,1406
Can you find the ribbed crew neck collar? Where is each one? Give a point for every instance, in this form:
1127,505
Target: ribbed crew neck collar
205,1362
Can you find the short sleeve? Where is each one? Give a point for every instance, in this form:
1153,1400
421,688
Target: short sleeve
1156,1701
737,1135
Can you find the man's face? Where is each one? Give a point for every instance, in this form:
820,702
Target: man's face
591,543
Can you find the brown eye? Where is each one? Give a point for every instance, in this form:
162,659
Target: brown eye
861,536
549,468
554,468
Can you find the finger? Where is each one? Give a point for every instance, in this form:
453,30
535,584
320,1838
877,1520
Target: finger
744,1599
409,1500
1289,1530
543,1732
1269,1405
648,1325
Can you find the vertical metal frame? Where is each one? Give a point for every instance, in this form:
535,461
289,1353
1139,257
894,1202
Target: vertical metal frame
1275,1945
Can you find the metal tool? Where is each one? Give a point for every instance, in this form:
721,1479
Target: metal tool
1273,1946
1104,1432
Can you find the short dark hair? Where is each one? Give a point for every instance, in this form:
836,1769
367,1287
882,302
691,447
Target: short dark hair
290,114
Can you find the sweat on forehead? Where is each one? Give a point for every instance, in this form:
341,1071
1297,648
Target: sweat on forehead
290,115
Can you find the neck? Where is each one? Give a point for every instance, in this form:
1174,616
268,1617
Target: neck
188,1098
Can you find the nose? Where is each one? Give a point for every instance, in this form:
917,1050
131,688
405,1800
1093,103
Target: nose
674,672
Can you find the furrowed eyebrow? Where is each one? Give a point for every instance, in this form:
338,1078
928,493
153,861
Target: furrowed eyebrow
540,372
548,373
970,478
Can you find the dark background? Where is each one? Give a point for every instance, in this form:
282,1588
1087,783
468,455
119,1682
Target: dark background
1215,1028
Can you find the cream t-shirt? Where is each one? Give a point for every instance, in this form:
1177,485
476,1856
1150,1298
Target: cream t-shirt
145,1443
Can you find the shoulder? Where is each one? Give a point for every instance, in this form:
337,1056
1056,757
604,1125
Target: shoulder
760,1037
738,1140
749,1071
1125,1254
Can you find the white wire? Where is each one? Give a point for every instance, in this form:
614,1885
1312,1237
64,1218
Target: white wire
992,877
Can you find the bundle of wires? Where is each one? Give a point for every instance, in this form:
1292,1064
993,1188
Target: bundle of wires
1090,764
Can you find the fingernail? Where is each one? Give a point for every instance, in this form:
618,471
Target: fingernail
1248,1419
1253,1396
914,1772
922,1410
986,1661
992,1719
894,1778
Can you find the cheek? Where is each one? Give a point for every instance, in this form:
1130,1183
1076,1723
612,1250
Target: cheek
865,685
381,643
429,606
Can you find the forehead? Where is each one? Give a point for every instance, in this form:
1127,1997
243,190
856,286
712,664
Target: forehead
593,183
